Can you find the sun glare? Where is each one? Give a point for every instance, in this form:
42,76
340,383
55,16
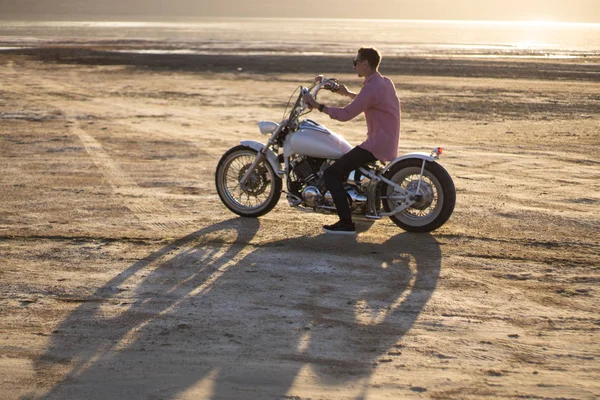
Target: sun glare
528,45
551,23
541,22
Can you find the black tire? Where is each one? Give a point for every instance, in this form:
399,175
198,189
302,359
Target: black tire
437,190
263,180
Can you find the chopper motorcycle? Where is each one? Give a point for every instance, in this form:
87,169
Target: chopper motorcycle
413,190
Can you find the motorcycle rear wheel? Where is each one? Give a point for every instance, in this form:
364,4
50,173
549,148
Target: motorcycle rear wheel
263,188
438,195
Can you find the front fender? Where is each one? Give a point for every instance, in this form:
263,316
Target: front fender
420,156
271,156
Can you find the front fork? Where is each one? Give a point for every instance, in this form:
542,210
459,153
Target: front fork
407,198
259,157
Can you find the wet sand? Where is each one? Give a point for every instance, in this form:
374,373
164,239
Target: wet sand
123,276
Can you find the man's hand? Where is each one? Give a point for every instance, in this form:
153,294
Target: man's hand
308,99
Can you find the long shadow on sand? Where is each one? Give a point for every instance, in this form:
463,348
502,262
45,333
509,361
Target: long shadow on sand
236,320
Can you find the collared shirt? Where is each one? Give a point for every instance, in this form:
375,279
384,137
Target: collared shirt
378,100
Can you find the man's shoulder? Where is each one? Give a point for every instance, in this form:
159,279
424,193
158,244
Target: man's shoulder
373,81
387,80
380,80
378,86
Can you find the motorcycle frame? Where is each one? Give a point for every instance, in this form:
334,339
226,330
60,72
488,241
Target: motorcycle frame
264,151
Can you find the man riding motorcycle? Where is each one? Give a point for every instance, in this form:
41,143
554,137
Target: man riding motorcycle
378,100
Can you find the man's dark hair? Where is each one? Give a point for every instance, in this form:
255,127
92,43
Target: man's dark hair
372,55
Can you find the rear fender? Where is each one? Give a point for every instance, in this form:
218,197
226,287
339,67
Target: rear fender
271,156
420,156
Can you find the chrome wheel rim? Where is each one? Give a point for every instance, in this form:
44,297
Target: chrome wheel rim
257,191
431,198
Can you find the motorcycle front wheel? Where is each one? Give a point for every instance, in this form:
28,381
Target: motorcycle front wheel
437,195
260,193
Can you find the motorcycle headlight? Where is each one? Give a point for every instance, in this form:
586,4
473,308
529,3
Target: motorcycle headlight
267,127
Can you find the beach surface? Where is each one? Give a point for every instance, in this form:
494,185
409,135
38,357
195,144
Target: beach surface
123,276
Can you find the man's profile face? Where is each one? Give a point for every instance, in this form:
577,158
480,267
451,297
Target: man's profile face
359,65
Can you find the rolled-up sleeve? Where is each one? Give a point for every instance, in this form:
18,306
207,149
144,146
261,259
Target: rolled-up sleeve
365,99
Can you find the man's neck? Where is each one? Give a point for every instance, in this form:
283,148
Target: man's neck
369,74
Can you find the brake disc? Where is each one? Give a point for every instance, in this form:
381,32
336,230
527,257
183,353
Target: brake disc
257,182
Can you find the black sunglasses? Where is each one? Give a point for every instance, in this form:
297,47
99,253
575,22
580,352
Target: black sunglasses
355,61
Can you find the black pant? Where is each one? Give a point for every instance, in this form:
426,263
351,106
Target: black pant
336,175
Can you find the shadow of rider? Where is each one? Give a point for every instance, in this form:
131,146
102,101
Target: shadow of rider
247,319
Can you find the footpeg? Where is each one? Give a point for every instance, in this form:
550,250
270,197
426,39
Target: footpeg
370,216
293,200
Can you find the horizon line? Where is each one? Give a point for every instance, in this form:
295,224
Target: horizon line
174,19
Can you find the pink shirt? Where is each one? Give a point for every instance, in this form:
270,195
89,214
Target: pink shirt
378,100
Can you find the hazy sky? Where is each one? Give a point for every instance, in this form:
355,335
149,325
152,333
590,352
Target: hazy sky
556,10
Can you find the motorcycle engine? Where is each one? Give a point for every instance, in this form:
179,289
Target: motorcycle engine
306,169
306,179
306,182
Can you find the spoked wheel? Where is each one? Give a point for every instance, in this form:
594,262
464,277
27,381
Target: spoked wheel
436,195
260,193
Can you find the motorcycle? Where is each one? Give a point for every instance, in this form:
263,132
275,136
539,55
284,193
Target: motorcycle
413,190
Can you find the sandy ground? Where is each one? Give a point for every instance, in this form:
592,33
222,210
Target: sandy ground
123,276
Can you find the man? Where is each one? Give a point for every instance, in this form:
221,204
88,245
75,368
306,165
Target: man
378,100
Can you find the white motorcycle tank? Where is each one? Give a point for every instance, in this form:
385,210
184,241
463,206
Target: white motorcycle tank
314,140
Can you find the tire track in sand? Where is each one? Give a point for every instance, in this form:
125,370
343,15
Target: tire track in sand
143,208
146,209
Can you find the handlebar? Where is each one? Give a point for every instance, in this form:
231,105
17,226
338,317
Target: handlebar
329,84
320,83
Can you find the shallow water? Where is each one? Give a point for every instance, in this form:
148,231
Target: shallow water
255,36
